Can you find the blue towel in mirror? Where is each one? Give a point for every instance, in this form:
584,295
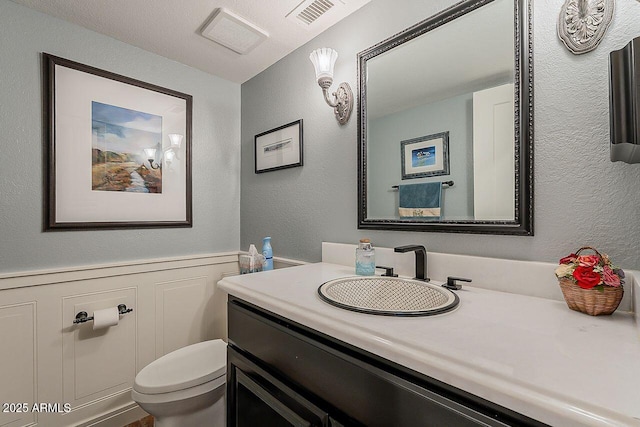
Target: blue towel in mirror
420,200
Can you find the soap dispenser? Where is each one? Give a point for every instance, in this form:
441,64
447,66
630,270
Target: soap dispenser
365,258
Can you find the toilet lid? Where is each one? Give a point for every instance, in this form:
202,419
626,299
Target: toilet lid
184,368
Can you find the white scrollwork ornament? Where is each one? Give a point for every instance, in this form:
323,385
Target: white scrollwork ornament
583,23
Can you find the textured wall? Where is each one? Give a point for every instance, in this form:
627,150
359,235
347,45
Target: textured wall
580,196
216,150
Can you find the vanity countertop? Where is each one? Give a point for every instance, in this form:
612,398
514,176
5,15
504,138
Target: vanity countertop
532,355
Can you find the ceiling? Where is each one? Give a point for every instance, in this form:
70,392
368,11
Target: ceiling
171,28
470,53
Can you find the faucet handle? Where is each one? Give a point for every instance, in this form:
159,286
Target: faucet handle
388,271
452,285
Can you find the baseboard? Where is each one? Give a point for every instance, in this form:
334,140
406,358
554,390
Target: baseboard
119,418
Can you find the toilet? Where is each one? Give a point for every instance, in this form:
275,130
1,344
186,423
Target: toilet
185,388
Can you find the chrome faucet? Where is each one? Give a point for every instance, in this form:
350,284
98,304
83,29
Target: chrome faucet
421,259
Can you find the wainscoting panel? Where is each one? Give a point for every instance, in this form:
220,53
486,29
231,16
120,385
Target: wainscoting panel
180,313
98,363
18,367
46,359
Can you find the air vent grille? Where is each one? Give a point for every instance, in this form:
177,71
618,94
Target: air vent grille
315,10
234,32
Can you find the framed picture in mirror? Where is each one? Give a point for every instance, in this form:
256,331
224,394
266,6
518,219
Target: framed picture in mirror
425,156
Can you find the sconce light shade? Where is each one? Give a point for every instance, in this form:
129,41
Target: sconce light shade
341,100
176,139
624,102
151,157
324,59
169,155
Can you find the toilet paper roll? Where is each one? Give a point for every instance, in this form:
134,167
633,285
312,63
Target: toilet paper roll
105,318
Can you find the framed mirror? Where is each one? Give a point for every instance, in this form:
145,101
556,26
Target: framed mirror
445,123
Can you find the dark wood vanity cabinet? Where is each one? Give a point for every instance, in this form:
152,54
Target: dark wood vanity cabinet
280,373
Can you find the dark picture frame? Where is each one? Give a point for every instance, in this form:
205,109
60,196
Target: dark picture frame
118,150
425,156
279,148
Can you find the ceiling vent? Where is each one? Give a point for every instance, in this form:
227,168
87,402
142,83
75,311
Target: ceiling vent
234,32
308,11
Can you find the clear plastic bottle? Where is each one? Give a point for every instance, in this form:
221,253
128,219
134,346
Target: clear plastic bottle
365,258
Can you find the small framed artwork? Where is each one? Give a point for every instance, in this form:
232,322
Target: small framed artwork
425,156
118,150
279,148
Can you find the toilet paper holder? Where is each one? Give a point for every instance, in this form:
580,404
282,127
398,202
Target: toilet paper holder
82,316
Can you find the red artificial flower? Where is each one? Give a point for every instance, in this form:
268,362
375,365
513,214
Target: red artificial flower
568,259
588,260
586,277
609,277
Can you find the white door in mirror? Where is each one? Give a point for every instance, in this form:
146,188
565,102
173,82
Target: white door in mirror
493,154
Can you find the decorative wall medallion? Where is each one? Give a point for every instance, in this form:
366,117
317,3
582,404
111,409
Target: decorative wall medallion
583,23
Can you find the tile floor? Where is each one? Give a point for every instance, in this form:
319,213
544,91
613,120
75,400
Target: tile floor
145,422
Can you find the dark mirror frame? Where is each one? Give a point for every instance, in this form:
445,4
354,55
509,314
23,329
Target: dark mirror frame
523,121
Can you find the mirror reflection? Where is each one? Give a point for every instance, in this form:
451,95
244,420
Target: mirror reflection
439,122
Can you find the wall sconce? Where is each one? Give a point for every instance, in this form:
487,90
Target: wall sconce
176,142
342,100
169,154
151,156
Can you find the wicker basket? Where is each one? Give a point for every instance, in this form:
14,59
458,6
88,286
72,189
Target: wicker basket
590,301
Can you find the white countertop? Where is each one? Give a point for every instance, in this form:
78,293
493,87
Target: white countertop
532,355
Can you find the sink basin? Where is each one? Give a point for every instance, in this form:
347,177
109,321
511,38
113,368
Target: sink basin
388,296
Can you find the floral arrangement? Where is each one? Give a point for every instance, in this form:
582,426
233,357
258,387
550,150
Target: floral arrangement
590,271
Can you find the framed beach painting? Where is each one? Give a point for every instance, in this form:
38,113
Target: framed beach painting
118,150
279,148
425,156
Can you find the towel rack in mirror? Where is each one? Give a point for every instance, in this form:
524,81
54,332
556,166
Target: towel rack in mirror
445,184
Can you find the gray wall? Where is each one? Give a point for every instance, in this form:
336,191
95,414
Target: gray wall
581,198
384,165
24,34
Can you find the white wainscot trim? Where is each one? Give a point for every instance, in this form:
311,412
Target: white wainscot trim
175,302
68,274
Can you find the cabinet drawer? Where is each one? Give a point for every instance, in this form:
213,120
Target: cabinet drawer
370,390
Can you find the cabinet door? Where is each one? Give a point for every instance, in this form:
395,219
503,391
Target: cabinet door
257,398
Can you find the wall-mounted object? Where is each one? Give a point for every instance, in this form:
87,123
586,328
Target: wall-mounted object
583,23
279,148
233,32
176,143
173,151
156,155
624,102
151,157
83,317
422,81
341,100
105,136
445,184
425,156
